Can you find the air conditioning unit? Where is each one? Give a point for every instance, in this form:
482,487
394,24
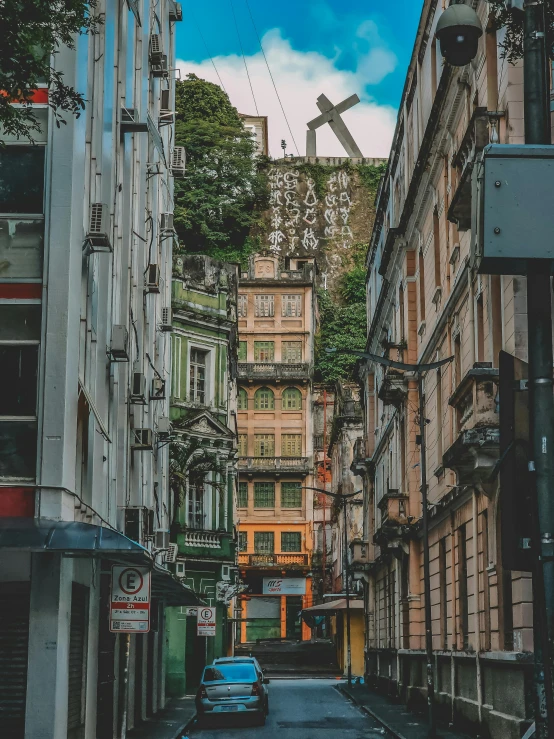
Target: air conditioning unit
161,539
166,222
156,49
164,428
158,389
161,69
142,440
166,114
171,554
138,523
119,344
180,569
175,12
178,161
138,388
166,324
98,234
225,572
152,278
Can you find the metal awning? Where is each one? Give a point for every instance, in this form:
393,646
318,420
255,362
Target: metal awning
333,607
70,537
171,590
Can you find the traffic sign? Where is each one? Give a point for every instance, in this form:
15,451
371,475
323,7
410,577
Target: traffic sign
205,624
130,599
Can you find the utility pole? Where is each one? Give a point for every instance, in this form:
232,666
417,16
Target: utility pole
347,591
426,565
541,400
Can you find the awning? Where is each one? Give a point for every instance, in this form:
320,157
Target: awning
70,537
171,590
333,607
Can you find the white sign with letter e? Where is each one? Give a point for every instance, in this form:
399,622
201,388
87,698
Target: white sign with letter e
130,599
205,625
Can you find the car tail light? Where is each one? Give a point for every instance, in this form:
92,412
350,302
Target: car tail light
255,689
202,692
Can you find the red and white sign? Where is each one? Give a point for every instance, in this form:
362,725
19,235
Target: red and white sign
205,624
130,599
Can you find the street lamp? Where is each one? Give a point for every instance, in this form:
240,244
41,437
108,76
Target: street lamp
344,498
419,370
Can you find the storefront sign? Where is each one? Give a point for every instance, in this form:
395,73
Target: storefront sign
205,624
130,599
284,586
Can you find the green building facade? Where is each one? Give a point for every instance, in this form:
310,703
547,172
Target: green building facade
203,452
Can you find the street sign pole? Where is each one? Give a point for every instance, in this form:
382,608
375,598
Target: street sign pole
541,400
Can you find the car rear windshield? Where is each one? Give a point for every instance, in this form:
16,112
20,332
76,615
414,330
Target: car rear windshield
231,672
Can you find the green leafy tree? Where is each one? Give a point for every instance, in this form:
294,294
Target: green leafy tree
33,31
512,22
224,189
343,327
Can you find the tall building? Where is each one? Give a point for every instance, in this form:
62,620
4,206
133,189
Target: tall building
85,276
277,317
203,459
426,302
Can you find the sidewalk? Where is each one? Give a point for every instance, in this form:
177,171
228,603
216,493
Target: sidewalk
169,723
395,717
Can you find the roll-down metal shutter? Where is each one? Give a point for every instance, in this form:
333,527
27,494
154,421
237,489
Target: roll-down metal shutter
76,668
14,645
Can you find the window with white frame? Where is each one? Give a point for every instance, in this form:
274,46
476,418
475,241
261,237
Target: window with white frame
198,366
292,306
176,368
195,510
264,306
243,306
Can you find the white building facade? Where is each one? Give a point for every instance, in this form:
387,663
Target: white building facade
85,280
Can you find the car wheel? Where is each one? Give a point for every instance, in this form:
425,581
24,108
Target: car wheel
266,707
261,719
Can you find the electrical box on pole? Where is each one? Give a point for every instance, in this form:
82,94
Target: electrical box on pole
513,213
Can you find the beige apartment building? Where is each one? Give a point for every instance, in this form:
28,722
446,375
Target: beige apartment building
426,302
277,317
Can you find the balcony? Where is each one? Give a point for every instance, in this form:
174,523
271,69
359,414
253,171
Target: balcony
393,529
362,555
274,560
361,461
253,371
294,465
205,539
474,141
475,452
394,388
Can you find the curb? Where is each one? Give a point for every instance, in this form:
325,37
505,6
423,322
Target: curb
186,727
371,713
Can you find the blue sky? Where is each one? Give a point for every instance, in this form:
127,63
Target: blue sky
313,46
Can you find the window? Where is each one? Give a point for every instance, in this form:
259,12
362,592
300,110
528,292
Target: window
291,495
264,542
440,418
243,306
480,329
292,399
22,179
443,594
198,376
264,399
437,247
463,605
242,400
243,541
264,351
243,495
291,445
176,368
242,446
264,445
264,495
196,515
292,305
421,286
18,395
291,541
243,351
457,361
264,306
291,351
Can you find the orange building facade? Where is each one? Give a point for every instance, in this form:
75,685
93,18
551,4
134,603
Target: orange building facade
277,320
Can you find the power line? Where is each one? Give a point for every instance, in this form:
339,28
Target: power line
243,57
208,51
271,75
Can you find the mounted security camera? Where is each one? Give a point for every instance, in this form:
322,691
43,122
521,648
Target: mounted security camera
459,30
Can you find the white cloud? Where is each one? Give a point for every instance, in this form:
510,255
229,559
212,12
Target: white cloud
300,78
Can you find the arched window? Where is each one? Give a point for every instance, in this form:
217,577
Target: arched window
292,399
264,400
242,402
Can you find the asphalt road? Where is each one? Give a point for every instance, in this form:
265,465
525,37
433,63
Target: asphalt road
299,709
